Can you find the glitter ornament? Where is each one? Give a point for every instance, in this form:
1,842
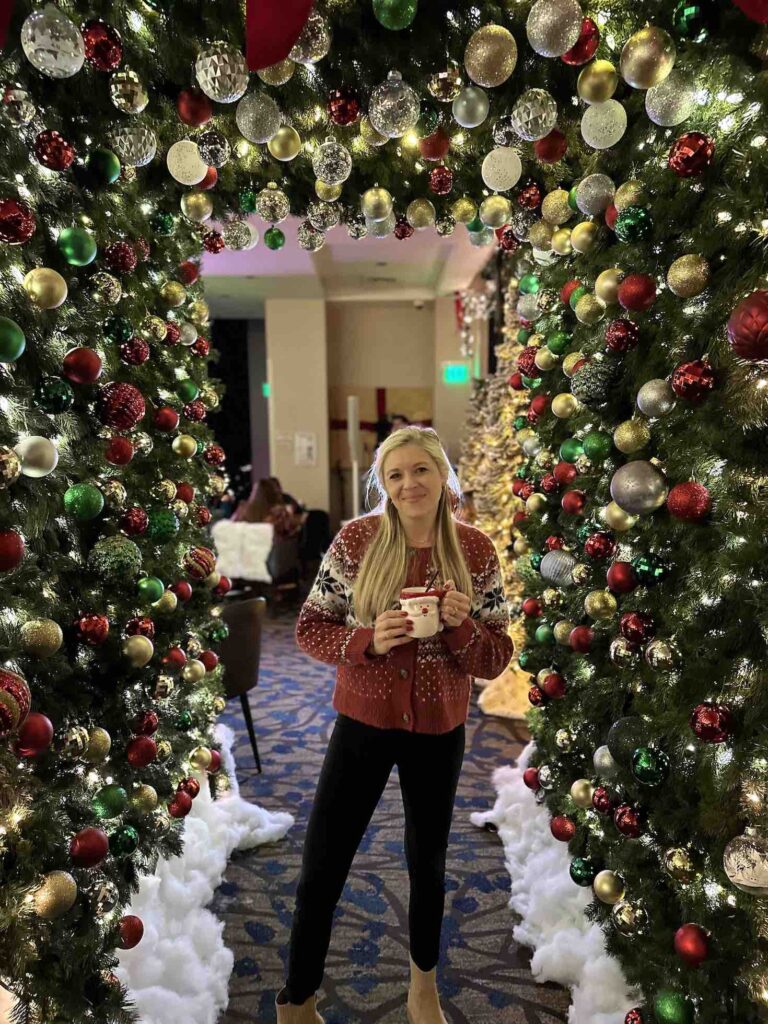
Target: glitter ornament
445,86
213,242
285,144
52,43
272,204
554,26
103,46
470,107
647,58
213,148
309,238
501,169
120,257
279,73
258,117
670,102
689,502
490,56
239,235
534,115
105,289
135,144
688,276
323,216
16,104
604,124
332,162
440,180
637,292
691,154
393,108
53,151
314,41
222,72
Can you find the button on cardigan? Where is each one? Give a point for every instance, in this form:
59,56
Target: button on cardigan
422,686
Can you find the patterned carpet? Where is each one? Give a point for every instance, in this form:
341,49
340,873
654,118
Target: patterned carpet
483,976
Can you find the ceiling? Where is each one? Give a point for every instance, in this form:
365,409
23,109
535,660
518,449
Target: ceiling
419,268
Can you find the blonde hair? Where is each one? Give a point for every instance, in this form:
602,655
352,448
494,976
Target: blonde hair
383,570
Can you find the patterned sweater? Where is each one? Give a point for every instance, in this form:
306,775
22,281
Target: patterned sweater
423,686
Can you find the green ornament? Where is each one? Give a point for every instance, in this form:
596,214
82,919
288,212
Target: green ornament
571,449
110,802
200,446
585,531
104,166
529,284
689,20
163,525
274,238
572,198
594,382
115,558
597,445
184,721
523,335
475,224
524,658
83,501
217,632
118,329
123,841
162,223
77,246
246,199
531,382
394,14
150,588
650,569
583,871
520,422
429,118
187,390
633,224
545,634
649,766
536,561
558,342
12,340
673,1008
576,294
54,395
523,472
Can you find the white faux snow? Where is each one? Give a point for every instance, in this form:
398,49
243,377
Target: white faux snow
568,949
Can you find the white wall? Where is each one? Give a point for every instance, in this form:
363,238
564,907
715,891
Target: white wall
451,400
381,344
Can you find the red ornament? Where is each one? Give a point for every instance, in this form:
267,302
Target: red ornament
172,333
214,455
120,257
603,800
621,578
712,723
166,419
134,521
215,764
748,327
131,931
53,151
17,222
189,272
689,502
529,196
573,502
536,697
223,586
210,178
565,473
82,366
185,491
88,848
691,154
562,828
440,180
551,148
627,821
146,723
693,381
195,411
194,107
554,685
531,779
637,627
521,488
202,515
634,1017
692,944
180,806
622,335
568,289
580,639
343,107
189,786
11,550
142,250
531,608
600,545
141,751
435,147
540,404
515,381
526,361
611,216
140,626
199,562
103,46
119,451
585,46
120,405
13,712
210,659
213,241
92,629
182,590
134,352
35,735
507,240
554,543
549,483
201,347
757,10
174,658
637,292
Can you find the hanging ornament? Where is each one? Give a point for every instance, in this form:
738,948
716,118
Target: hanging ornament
17,222
52,43
554,26
279,73
323,216
309,238
10,467
594,194
222,72
135,144
490,56
656,398
46,288
56,894
193,107
585,46
343,107
689,502
712,723
604,124
745,862
597,82
213,242
691,154
639,488
420,214
501,169
693,381
534,114
53,151
629,918
258,117
381,228
748,327
445,86
213,148
637,292
120,405
332,162
196,206
82,366
678,864
314,42
670,102
470,107
395,14
393,108
647,57
274,238
16,104
688,276
120,257
272,204
692,944
103,46
369,135
551,148
239,235
440,180
376,203
285,144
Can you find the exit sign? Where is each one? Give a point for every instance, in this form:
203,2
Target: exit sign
265,389
455,373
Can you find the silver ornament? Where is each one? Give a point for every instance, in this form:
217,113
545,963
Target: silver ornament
105,289
471,106
557,568
605,766
323,216
531,446
656,398
745,862
521,223
547,776
393,108
485,237
258,117
187,333
595,194
381,228
310,238
629,918
134,144
104,896
254,233
670,102
528,307
604,124
534,115
52,43
314,42
445,225
272,204
553,26
142,442
503,132
213,148
332,163
222,72
501,168
17,105
127,91
564,740
356,226
236,235
639,488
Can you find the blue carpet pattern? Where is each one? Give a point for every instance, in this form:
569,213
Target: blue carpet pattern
483,976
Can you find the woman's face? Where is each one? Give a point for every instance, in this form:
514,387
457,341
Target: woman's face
413,482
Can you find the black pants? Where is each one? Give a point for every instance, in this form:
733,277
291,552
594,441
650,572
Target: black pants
355,771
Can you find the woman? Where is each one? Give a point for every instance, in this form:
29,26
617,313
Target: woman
399,701
265,504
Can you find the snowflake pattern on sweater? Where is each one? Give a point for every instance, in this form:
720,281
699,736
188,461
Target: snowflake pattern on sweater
421,686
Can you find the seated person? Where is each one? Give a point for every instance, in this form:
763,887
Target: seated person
265,505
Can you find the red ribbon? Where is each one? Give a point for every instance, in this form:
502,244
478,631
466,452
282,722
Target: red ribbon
271,29
6,10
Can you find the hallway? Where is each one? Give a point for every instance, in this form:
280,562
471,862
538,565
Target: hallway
482,975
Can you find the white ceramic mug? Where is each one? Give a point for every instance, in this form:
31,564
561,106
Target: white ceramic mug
423,607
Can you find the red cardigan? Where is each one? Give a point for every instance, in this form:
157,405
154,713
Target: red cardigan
422,686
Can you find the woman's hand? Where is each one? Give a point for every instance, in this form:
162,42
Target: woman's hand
454,607
391,629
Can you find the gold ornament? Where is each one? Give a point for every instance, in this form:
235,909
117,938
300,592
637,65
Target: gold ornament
580,573
138,650
495,211
105,289
73,743
570,361
164,490
420,214
608,887
617,519
46,288
114,492
688,276
99,745
754,798
376,203
200,758
196,206
564,740
194,647
278,74
193,671
536,340
563,630
219,704
555,208
631,436
600,604
589,310
597,81
581,793
521,546
208,396
217,486
164,687
153,329
546,360
10,467
629,918
213,580
565,405
463,210
540,235
41,637
552,598
445,86
647,58
545,459
167,603
144,799
631,193
326,192
164,751
184,445
561,242
584,236
180,509
490,56
369,135
173,294
607,285
198,312
55,895
678,864
285,144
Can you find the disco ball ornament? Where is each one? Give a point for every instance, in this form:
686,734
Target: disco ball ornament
314,42
557,568
382,228
604,124
16,104
213,148
52,43
279,73
490,56
332,163
647,58
656,398
185,163
222,72
691,154
521,222
420,214
670,102
323,216
128,92
309,238
501,169
393,108
134,144
594,194
445,86
258,117
376,203
470,107
554,26
272,204
629,918
343,107
534,115
238,235
639,488
285,144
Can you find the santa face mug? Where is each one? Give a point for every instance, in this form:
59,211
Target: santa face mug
423,607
